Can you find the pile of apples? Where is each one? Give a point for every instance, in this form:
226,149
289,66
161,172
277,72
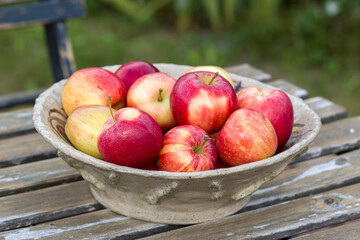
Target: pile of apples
143,118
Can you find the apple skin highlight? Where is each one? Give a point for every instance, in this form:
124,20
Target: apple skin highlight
275,105
144,94
92,86
184,150
246,137
131,71
198,99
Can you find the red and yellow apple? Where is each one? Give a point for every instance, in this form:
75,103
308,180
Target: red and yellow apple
275,105
151,93
131,71
187,148
203,99
213,69
247,136
92,86
84,125
130,138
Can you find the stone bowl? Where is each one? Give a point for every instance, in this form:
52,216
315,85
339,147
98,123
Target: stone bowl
165,197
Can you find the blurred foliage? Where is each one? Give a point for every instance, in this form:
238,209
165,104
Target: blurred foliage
314,44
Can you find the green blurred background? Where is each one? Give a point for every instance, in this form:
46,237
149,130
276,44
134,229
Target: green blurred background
313,44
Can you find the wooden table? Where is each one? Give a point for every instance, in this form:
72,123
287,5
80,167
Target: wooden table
316,197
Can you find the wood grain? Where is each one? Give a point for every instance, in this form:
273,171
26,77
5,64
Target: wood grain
102,224
347,231
47,204
18,98
31,176
278,221
300,179
290,88
308,177
23,149
249,71
40,12
16,122
336,137
327,110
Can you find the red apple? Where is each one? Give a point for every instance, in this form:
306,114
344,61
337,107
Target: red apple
247,136
151,93
131,71
84,125
187,148
92,86
131,138
275,105
203,99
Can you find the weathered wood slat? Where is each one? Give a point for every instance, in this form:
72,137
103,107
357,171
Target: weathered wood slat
102,224
278,221
290,88
19,98
298,180
4,2
309,177
60,50
25,209
16,122
327,110
23,149
336,137
36,175
249,71
40,12
347,231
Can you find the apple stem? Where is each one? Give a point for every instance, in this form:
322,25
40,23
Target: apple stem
109,105
160,98
200,147
216,74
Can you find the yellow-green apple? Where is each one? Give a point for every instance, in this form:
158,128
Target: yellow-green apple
275,105
247,136
187,148
213,69
84,125
203,99
131,71
130,138
92,86
151,93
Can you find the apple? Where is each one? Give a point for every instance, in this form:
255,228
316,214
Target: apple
84,125
203,99
131,137
131,71
247,136
275,105
219,164
92,86
151,93
187,148
213,69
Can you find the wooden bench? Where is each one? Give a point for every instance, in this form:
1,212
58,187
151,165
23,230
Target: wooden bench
42,197
53,15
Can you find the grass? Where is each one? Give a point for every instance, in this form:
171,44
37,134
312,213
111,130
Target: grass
320,56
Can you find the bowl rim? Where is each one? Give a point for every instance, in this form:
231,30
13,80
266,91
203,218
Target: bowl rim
55,141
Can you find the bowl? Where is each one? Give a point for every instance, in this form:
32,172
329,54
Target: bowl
165,197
